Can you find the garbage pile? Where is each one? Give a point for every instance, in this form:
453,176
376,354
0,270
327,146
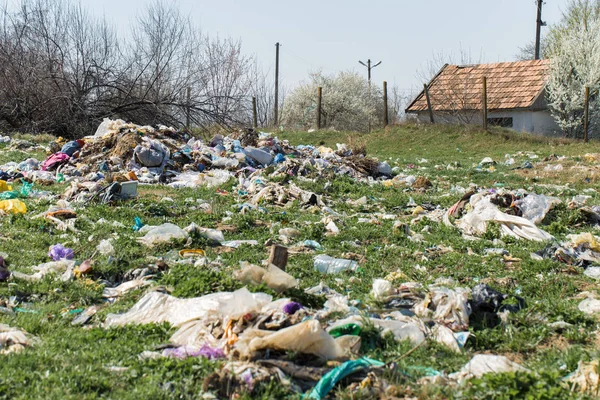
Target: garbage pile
273,327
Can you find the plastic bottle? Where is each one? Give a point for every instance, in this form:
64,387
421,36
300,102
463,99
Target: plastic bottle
330,265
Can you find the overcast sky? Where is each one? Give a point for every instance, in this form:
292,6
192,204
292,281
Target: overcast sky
332,35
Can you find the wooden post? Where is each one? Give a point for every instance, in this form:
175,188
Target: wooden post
276,103
385,105
484,103
319,105
278,256
254,116
586,112
187,109
426,90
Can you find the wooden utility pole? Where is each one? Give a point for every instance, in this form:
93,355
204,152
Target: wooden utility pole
187,109
385,105
426,90
484,103
538,28
586,112
276,105
369,68
254,116
319,104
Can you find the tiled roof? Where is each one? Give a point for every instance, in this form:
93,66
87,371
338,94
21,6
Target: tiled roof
510,85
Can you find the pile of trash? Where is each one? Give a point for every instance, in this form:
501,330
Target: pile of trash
258,336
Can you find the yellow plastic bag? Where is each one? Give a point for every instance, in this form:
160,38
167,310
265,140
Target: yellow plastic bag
4,187
13,206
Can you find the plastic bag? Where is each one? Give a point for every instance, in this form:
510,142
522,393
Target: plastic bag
306,337
446,307
329,380
164,233
482,364
535,207
106,248
13,206
258,155
12,339
273,277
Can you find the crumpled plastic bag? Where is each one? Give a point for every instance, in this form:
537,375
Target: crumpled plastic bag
118,291
106,248
586,379
63,266
190,179
272,276
447,307
535,206
329,380
482,364
164,233
13,206
484,211
402,330
307,337
156,307
13,340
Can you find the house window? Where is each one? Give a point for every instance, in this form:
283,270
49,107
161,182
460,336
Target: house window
505,122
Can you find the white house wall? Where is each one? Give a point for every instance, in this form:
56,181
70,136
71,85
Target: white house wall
538,122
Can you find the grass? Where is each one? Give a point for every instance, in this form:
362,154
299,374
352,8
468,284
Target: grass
74,362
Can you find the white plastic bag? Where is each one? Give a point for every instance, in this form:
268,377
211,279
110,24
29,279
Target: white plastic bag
164,233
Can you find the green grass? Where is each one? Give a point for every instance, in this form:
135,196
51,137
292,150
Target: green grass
74,362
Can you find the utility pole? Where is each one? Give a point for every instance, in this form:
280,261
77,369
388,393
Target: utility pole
276,105
539,23
369,68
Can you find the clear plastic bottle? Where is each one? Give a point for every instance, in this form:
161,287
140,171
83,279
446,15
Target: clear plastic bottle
330,265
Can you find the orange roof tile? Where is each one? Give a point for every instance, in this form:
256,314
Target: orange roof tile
509,85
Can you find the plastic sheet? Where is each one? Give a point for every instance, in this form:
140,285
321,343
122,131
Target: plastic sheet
156,307
483,211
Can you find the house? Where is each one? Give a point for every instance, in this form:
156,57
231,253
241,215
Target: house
516,96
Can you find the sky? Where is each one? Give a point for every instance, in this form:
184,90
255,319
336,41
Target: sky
333,35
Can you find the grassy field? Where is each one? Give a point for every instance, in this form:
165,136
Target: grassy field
73,362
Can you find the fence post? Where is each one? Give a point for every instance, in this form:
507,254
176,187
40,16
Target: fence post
187,109
586,111
484,104
426,90
319,104
254,116
385,105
